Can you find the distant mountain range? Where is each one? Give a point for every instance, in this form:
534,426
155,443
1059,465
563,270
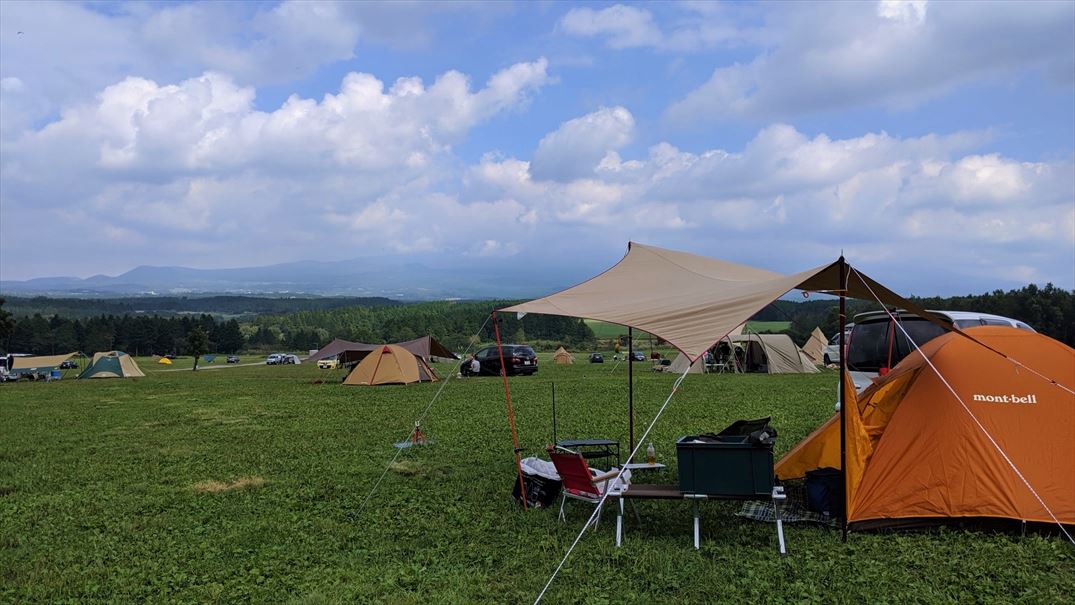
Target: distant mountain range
391,277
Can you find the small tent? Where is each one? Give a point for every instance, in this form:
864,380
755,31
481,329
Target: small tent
680,363
111,364
766,353
390,364
815,346
562,356
164,361
917,455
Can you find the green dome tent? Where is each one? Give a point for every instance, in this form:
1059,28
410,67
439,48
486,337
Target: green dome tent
111,364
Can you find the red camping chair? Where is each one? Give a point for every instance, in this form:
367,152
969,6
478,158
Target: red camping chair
579,480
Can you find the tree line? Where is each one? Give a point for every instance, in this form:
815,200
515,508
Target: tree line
134,334
1050,310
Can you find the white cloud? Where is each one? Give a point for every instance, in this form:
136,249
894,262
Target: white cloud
698,26
896,54
576,148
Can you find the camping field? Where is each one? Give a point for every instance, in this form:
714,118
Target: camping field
246,484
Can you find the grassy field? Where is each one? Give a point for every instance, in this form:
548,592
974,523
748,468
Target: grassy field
244,484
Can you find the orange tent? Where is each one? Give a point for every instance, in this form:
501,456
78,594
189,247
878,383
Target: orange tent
917,454
390,364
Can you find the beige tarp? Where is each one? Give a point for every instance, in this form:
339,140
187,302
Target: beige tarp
562,356
692,301
815,346
40,361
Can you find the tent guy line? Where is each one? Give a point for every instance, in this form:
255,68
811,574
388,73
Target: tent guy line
421,417
615,481
977,422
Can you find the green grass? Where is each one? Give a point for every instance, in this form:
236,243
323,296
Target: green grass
768,326
244,485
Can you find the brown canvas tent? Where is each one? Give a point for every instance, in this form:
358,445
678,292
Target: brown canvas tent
424,347
390,364
562,356
815,346
917,455
768,353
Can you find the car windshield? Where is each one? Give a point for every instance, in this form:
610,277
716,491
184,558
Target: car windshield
869,349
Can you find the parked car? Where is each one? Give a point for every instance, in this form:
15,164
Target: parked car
233,359
832,350
69,364
877,345
274,359
519,359
597,358
328,364
637,356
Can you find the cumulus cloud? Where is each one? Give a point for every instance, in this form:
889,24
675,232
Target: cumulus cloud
195,161
575,149
68,51
896,54
888,200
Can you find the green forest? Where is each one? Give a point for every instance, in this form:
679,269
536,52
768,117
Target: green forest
48,325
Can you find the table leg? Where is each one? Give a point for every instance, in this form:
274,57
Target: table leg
778,501
696,522
619,524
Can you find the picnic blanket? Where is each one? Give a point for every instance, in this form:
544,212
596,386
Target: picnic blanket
790,512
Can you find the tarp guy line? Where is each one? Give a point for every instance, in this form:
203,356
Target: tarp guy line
421,417
609,488
977,422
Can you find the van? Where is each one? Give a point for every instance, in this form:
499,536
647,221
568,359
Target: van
877,344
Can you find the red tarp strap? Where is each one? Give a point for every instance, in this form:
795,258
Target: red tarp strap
511,412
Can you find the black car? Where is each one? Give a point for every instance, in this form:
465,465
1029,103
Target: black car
69,364
233,359
519,359
596,358
637,356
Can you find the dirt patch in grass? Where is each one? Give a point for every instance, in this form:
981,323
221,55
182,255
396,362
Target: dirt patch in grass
410,468
213,486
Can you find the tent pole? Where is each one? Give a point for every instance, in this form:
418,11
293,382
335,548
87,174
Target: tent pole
554,413
631,387
511,412
843,396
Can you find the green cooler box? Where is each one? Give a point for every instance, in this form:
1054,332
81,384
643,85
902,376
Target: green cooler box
725,465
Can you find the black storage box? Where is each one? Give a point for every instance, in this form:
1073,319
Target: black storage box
725,465
541,492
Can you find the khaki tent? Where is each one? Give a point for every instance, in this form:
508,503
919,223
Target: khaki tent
680,363
815,346
562,356
766,353
390,364
111,364
917,454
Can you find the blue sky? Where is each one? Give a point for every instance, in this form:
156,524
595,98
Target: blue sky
938,136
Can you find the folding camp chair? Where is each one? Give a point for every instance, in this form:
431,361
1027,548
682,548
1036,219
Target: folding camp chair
580,482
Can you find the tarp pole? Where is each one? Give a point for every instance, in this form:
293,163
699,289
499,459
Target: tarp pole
511,412
631,386
843,395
